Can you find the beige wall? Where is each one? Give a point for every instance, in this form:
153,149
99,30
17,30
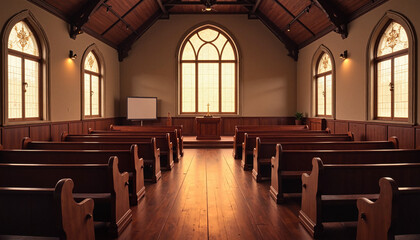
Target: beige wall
351,75
65,76
267,74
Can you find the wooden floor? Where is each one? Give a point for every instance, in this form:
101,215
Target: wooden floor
208,196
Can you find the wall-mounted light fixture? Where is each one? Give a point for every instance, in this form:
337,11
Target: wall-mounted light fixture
72,55
344,55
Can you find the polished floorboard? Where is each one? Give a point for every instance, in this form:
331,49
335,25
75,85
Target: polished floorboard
208,196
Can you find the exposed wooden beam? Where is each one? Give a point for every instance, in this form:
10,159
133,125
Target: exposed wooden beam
296,18
82,16
336,17
50,8
125,46
255,7
291,46
238,2
164,11
120,18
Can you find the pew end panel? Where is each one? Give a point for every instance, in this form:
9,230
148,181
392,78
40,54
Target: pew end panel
137,183
374,218
396,212
121,213
76,218
309,202
274,188
394,141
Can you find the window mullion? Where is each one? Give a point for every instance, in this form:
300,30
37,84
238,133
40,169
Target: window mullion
392,89
196,87
23,88
90,94
220,87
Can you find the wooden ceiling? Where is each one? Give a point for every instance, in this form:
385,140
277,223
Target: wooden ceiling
119,23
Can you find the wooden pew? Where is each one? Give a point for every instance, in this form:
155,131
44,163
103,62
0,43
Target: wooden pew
102,182
163,143
330,192
248,154
54,213
146,151
128,161
288,165
396,212
173,138
136,128
240,130
265,150
250,141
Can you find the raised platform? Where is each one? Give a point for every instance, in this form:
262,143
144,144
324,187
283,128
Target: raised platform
192,142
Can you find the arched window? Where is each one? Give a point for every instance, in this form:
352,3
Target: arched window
323,83
92,83
324,86
25,82
392,74
208,72
391,87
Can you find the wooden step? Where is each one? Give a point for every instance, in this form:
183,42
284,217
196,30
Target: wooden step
191,142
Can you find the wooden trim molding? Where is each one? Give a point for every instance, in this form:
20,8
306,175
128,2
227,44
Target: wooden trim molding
11,136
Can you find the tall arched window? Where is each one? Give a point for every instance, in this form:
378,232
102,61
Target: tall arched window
92,83
392,74
391,87
324,86
208,70
25,82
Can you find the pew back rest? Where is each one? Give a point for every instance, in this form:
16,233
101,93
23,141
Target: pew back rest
300,160
343,179
30,156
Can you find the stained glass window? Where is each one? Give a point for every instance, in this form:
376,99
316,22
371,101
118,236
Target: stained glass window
92,86
324,86
208,66
393,40
23,81
392,74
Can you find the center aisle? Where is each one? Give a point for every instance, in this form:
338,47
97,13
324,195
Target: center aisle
207,195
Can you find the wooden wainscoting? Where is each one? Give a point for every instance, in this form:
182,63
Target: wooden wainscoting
11,136
408,136
227,125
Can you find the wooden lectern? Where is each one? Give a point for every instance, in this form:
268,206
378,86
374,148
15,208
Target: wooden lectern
208,128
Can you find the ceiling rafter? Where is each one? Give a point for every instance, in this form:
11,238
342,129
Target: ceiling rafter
201,2
291,46
125,46
336,17
82,17
120,18
296,18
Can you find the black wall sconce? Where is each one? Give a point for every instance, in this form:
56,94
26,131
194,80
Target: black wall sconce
344,55
72,55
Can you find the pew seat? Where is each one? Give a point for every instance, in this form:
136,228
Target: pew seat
330,191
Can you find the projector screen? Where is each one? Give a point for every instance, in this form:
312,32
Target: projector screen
141,108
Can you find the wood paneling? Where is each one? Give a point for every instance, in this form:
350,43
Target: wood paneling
341,127
75,128
40,133
12,136
330,124
187,123
316,123
57,129
376,132
417,137
87,125
228,125
405,135
250,121
359,131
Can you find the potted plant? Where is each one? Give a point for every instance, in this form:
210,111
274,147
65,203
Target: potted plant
299,117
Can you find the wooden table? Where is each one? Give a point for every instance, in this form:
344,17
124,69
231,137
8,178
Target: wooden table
208,128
